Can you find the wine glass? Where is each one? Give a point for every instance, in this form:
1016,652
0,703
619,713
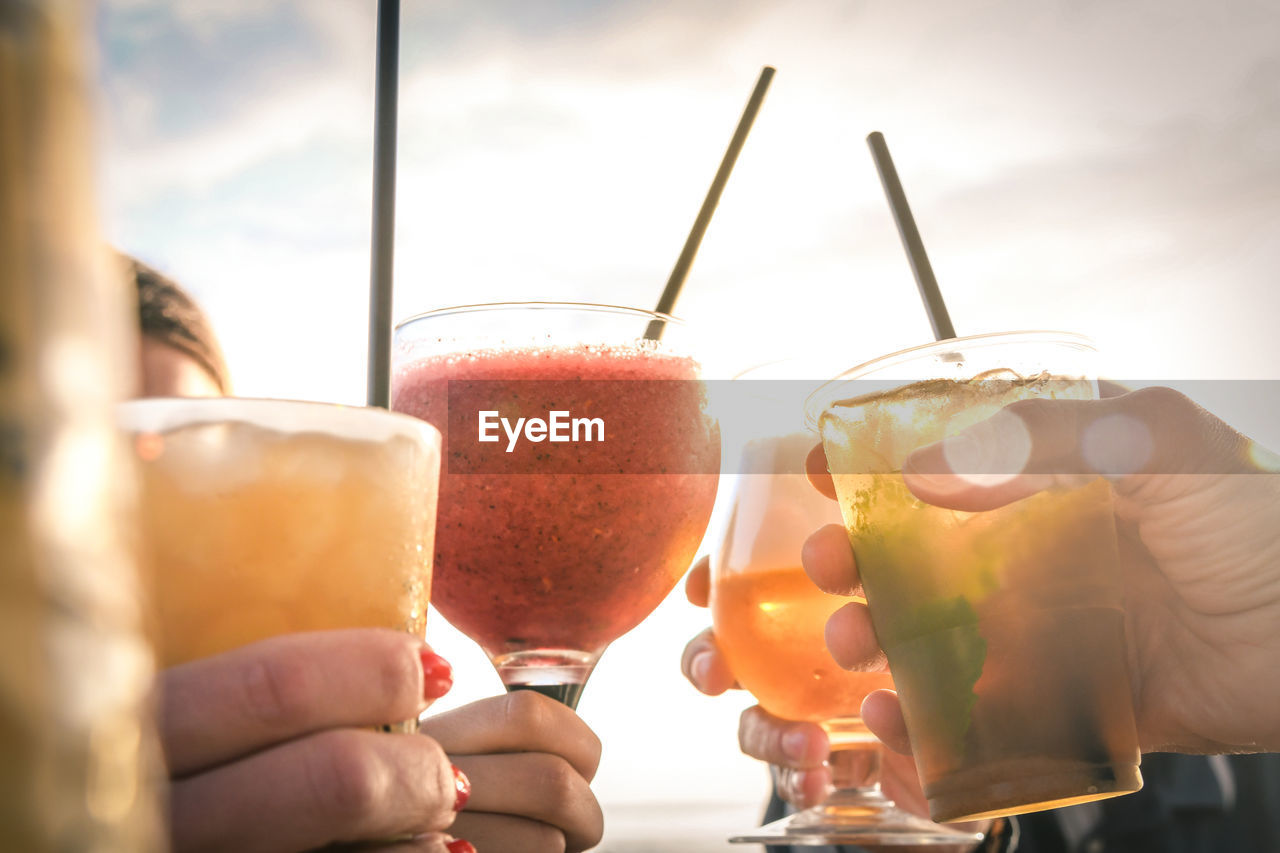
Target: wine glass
769,618
548,550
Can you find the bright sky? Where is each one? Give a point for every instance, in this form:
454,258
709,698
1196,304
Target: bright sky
1111,168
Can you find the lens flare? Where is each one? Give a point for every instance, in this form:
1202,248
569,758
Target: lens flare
1117,445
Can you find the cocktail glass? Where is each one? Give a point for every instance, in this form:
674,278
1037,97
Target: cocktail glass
769,618
1004,629
549,550
268,517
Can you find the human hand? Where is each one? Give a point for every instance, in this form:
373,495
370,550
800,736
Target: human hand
531,760
273,747
1198,521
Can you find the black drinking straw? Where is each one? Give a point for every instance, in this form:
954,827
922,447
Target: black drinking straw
920,266
681,270
378,385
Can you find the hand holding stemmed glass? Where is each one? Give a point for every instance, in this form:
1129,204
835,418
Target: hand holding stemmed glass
768,637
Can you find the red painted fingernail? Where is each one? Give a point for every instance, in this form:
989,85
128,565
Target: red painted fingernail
437,675
460,846
463,786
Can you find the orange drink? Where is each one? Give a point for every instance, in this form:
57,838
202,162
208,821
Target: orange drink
769,624
768,616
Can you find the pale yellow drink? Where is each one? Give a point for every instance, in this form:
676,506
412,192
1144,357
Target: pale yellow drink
266,517
1004,629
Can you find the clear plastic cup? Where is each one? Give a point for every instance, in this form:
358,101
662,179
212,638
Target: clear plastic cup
1004,629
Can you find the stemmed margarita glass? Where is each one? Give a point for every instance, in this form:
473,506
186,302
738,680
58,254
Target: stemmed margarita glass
547,550
769,618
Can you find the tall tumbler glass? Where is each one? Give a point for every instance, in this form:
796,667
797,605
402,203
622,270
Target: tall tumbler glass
1004,629
268,517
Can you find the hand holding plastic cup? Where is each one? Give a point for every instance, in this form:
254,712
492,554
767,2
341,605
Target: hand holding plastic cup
1004,629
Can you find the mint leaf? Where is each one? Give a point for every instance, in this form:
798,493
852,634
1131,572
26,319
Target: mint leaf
936,669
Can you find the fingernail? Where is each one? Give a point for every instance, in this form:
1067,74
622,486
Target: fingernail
812,787
460,846
437,675
796,791
700,669
795,744
462,785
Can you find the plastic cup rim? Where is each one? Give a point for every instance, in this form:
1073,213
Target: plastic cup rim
1043,335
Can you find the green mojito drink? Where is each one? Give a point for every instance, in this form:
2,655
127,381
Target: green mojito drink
1004,629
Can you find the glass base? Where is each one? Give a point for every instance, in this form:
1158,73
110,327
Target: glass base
1012,788
861,816
558,673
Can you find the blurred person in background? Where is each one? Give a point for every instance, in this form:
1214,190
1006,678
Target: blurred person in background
180,354
274,747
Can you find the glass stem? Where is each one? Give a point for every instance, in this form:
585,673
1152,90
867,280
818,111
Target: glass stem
855,776
566,694
558,673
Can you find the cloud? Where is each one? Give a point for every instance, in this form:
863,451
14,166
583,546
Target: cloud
563,148
196,92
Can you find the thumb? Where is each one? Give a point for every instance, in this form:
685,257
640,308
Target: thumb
1032,445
